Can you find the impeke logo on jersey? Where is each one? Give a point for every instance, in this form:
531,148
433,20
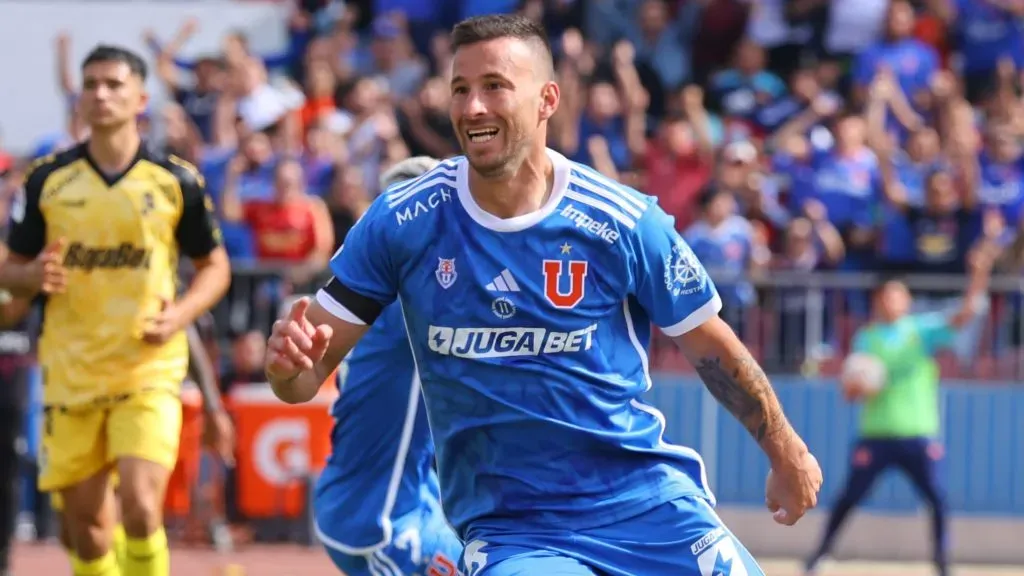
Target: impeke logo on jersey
684,274
507,342
602,230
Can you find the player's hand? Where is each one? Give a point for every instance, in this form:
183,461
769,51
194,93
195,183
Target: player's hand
165,324
792,489
47,273
219,436
295,344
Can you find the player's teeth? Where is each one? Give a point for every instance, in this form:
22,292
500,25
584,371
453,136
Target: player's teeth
482,136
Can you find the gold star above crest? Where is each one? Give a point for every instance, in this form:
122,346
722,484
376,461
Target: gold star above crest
566,248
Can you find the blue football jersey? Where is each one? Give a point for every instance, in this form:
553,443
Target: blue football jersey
382,454
530,335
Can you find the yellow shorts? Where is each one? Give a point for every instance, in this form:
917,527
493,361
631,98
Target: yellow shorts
77,444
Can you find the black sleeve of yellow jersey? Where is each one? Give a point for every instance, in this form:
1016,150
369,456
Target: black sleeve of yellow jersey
198,233
27,236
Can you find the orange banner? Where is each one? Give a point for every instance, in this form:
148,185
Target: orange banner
279,446
178,502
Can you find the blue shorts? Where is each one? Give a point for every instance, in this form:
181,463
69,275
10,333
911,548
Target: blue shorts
680,538
423,543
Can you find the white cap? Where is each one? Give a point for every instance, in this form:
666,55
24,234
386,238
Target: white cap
408,169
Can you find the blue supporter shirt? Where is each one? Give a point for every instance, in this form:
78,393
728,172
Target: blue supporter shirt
255,185
912,61
1001,187
741,96
795,180
727,248
382,454
530,336
987,33
897,236
849,188
614,133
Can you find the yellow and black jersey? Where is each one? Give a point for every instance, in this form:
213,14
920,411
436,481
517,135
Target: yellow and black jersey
123,235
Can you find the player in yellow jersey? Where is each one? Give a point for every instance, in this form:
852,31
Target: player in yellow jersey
218,433
98,229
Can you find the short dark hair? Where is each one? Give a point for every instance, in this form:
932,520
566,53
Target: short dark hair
707,194
494,26
887,278
108,53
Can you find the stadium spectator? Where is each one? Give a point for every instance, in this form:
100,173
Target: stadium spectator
987,33
291,227
324,148
374,134
741,172
741,91
678,161
246,361
804,89
320,87
912,61
198,98
732,249
423,121
393,60
349,199
810,243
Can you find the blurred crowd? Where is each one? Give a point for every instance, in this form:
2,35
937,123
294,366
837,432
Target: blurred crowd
801,135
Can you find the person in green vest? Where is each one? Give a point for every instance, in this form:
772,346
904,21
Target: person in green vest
899,423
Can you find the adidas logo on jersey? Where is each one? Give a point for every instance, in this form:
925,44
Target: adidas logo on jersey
503,282
506,342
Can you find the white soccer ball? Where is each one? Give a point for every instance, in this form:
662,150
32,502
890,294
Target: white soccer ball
863,373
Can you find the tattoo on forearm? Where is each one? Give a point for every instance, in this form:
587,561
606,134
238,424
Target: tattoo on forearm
743,388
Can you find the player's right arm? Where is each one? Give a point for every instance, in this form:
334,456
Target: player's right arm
305,347
309,344
31,265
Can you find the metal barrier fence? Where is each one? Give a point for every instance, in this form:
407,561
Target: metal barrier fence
803,323
795,323
984,449
256,293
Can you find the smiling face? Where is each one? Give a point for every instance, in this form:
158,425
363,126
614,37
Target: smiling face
502,97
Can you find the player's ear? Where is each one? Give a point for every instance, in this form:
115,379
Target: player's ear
143,101
550,96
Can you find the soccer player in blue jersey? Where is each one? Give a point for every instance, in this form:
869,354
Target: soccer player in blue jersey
528,286
378,509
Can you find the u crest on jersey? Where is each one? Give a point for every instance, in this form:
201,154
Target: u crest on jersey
553,283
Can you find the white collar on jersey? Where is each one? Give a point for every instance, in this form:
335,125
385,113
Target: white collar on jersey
492,222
